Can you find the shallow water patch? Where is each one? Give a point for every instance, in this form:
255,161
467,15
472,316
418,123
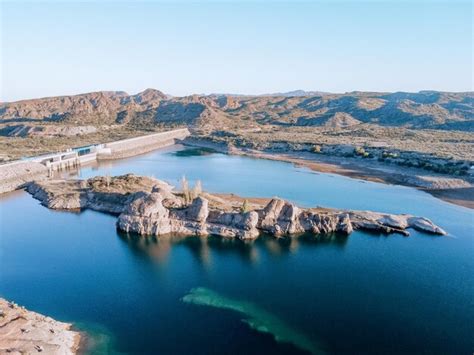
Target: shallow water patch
256,317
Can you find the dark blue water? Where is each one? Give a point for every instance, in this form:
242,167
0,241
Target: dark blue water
366,293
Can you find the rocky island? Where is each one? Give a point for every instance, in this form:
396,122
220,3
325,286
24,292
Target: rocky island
148,206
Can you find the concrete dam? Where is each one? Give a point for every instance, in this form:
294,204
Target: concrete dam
15,174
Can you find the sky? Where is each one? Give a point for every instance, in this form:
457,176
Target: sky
248,47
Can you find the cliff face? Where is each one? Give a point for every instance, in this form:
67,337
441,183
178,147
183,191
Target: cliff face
426,109
147,216
148,206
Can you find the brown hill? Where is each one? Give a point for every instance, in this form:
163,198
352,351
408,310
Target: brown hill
339,120
422,110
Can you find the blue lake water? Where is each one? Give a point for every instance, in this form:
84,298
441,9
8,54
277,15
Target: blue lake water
366,293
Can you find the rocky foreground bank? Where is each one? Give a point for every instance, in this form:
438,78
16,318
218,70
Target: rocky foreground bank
148,206
26,332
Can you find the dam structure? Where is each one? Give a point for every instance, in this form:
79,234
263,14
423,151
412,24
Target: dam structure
15,175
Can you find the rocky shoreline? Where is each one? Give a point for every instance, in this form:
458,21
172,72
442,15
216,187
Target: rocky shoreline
27,332
147,206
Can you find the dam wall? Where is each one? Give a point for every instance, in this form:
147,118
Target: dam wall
15,174
139,145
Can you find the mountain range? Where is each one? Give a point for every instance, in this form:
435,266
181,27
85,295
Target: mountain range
421,110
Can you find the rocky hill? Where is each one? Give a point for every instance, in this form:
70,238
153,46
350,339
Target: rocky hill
422,110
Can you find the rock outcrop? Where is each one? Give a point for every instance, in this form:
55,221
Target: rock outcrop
99,194
148,206
148,216
391,223
26,332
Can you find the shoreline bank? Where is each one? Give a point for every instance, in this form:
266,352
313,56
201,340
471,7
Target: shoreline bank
448,189
26,332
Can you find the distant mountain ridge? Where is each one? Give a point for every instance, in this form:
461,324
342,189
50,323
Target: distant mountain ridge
298,93
422,110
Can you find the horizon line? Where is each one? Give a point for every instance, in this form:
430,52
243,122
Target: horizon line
276,93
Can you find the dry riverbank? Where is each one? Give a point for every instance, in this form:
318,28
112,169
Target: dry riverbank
453,190
27,332
462,196
450,189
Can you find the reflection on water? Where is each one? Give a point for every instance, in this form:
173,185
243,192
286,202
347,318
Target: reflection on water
194,152
158,249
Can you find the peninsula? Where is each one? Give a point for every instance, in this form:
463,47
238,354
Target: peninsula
148,206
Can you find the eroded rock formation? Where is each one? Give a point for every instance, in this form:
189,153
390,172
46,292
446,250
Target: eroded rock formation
148,216
148,206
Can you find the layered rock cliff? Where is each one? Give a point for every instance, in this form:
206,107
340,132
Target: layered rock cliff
148,206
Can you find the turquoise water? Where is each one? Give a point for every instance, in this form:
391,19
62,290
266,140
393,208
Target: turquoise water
366,293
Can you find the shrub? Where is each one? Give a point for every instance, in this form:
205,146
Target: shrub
107,180
185,189
197,190
359,151
245,207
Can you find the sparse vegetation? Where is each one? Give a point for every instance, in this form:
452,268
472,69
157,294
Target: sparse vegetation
197,189
185,190
107,180
359,151
390,155
190,194
245,207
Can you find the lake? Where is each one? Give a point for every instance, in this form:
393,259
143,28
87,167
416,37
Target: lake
366,293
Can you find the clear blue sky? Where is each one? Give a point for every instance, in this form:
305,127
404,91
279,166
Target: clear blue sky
184,47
